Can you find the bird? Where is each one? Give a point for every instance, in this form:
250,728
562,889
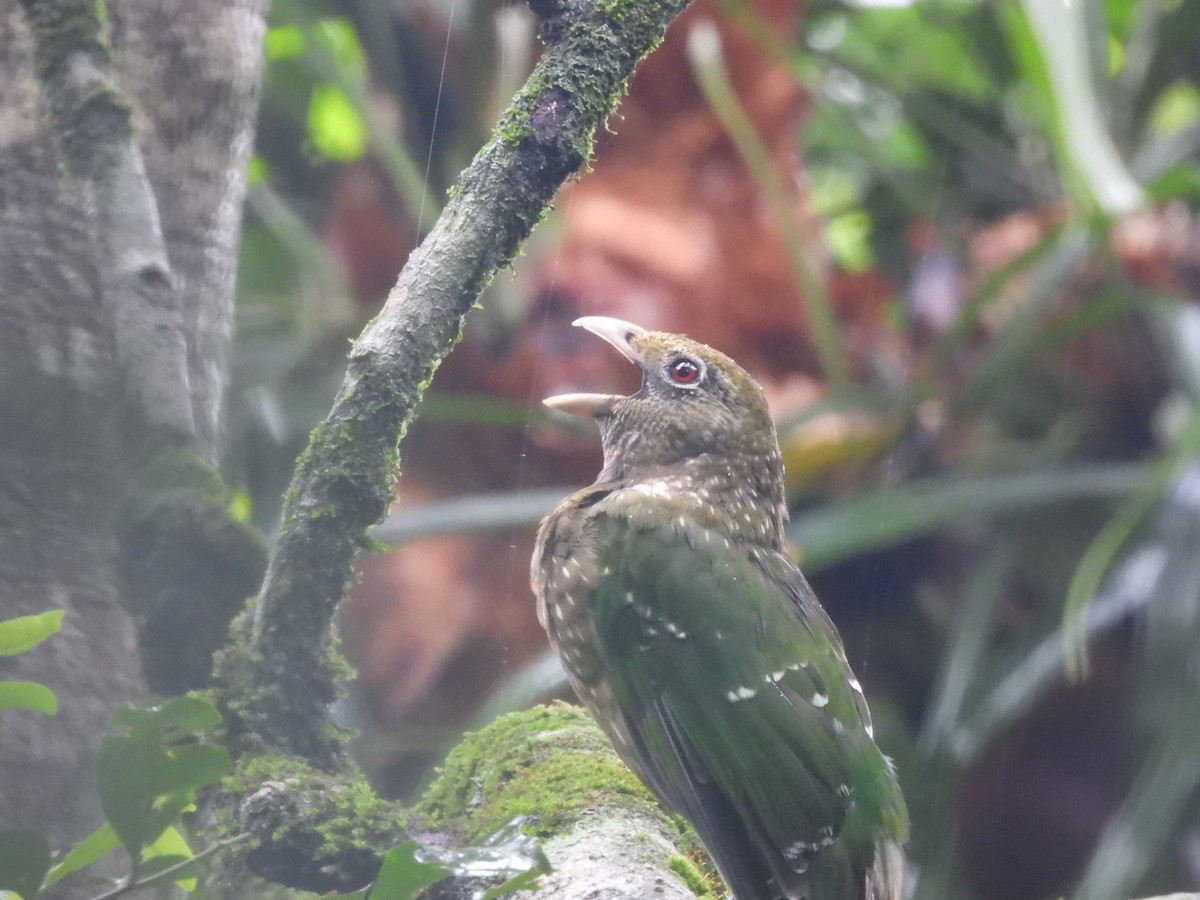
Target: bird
697,644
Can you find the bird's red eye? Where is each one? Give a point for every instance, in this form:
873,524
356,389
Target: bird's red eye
684,371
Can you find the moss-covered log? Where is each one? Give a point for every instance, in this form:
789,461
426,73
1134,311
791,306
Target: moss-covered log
312,830
551,769
602,832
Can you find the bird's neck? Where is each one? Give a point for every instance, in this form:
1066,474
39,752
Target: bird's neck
740,497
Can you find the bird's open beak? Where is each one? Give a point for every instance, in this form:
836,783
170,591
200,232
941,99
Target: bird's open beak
620,335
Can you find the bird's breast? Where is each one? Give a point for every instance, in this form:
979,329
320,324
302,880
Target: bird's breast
565,577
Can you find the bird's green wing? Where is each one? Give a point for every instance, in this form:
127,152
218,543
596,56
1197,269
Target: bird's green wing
743,711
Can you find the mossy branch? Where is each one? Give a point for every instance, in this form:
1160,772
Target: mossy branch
312,830
280,678
549,768
601,830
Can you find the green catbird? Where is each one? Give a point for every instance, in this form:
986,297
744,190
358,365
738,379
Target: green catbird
699,646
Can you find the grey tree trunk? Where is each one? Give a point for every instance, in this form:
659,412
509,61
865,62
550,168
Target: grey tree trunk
190,71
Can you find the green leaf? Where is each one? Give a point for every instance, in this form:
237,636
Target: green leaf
881,518
240,507
283,42
849,239
100,842
403,876
189,715
126,772
1116,532
966,648
28,695
1161,796
340,39
24,861
334,125
193,766
170,849
490,511
1061,34
26,632
902,48
148,777
144,788
164,811
169,843
257,173
1176,108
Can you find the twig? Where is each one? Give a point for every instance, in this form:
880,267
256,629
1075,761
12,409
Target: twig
170,873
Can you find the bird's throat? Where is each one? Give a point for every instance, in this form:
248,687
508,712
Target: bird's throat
728,498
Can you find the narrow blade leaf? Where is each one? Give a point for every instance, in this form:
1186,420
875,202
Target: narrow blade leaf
100,842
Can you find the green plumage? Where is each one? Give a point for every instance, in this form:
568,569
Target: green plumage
699,646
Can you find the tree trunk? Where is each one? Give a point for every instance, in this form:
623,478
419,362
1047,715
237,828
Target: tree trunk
190,72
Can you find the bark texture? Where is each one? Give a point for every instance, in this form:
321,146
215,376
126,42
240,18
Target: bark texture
188,73
193,71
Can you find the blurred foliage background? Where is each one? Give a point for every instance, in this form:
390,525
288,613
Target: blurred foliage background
958,243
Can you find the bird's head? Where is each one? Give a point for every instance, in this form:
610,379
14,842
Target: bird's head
695,403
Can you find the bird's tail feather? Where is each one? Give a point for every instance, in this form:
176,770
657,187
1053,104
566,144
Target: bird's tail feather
885,878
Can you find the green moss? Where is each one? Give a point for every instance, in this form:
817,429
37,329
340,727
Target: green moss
354,815
180,471
313,827
237,696
583,75
547,764
693,878
513,128
248,694
89,122
617,10
279,687
551,765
